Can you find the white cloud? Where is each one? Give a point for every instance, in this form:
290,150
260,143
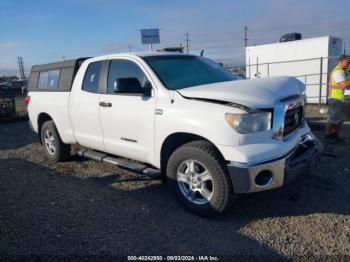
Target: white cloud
8,69
8,46
218,27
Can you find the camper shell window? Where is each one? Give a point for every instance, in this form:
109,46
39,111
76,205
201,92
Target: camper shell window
55,76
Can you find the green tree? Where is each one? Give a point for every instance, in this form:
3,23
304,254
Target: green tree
8,78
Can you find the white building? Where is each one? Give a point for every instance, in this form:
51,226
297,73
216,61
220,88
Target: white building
310,60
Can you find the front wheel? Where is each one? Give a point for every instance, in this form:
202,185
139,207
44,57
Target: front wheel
198,178
55,149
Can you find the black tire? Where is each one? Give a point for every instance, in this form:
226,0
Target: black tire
202,153
61,150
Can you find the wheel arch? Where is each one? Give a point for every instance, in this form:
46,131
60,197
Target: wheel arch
42,118
174,141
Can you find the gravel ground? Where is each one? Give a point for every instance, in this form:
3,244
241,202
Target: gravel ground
86,208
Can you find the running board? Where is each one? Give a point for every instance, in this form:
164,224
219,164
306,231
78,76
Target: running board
123,163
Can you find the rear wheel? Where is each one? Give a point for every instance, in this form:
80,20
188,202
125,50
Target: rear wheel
55,149
198,178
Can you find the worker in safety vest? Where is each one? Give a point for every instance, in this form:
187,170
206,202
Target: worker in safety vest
338,82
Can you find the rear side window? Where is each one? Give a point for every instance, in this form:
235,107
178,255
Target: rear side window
49,79
43,79
92,77
53,79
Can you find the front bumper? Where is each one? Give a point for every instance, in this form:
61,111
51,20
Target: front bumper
255,177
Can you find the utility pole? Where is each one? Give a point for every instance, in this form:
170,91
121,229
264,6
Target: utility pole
129,46
21,67
187,45
245,36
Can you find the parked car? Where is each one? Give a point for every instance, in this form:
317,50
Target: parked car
179,116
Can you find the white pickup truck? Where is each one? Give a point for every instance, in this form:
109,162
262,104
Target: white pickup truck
179,116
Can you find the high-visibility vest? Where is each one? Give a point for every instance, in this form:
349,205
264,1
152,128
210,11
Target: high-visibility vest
336,93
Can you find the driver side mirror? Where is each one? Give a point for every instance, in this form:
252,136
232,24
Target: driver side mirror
131,85
147,89
127,85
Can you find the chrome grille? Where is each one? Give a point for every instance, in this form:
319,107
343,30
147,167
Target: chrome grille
288,115
293,118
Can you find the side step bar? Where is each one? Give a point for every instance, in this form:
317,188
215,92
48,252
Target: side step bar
124,163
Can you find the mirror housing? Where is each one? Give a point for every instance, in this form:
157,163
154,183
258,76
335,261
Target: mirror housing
127,85
131,85
147,89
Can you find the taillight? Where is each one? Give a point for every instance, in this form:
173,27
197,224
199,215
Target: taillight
27,100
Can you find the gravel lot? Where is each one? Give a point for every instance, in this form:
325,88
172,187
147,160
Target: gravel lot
86,208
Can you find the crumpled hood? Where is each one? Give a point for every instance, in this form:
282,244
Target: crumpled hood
253,93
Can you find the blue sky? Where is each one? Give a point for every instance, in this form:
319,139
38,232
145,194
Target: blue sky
44,31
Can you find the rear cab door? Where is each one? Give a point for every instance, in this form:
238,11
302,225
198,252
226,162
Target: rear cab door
84,109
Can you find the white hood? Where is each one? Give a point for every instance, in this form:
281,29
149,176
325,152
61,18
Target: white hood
254,93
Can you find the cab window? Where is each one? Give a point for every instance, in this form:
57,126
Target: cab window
92,77
124,69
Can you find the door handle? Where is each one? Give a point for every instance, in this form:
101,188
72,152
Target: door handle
105,104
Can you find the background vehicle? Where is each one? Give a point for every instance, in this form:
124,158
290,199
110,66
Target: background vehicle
180,116
12,99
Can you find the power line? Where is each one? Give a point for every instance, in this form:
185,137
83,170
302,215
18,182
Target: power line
274,32
294,27
260,30
277,30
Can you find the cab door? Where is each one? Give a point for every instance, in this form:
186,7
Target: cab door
84,108
127,117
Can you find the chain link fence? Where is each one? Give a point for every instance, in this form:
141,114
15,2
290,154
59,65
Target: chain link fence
313,72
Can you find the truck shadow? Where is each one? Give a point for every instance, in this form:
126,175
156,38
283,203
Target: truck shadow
316,123
16,134
323,190
47,212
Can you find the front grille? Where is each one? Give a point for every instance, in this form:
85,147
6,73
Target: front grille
293,118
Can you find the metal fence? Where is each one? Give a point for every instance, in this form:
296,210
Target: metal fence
315,79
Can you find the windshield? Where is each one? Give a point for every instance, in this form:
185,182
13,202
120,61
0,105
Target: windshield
179,71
